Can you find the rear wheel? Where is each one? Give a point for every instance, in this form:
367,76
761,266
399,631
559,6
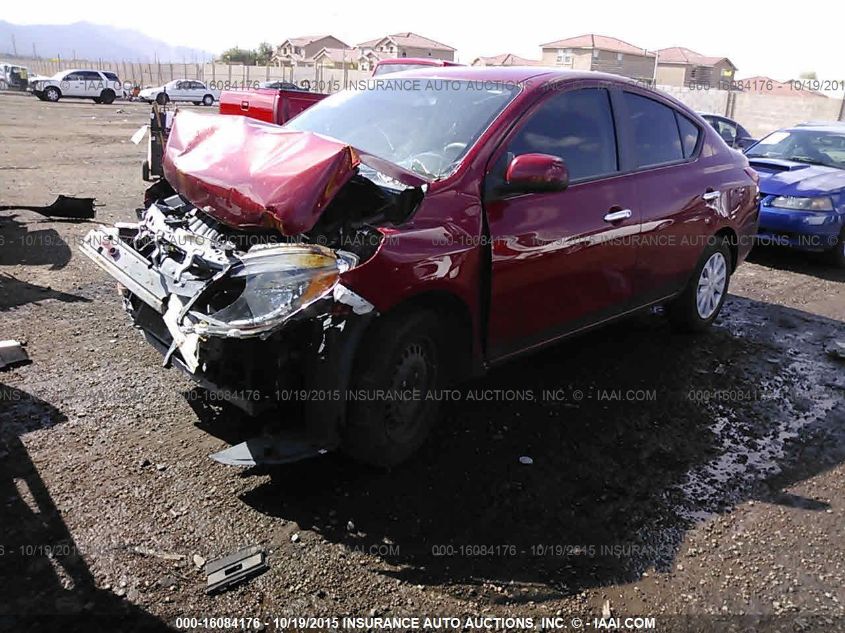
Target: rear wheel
51,93
701,301
397,373
208,100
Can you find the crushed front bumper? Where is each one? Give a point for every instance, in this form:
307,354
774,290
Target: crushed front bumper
310,351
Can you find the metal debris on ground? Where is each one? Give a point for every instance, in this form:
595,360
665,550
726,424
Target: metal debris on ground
224,573
62,207
12,353
526,460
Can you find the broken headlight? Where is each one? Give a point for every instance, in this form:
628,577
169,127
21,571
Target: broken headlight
268,286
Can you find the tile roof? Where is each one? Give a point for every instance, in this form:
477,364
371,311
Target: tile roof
602,42
681,55
409,39
507,59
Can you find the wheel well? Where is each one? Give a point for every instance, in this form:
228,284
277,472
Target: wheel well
729,234
456,324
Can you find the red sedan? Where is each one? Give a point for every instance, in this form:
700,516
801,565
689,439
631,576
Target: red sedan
392,240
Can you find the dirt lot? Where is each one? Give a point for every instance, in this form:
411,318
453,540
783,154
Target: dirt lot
697,480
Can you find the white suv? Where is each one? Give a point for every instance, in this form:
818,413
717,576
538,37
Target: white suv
100,85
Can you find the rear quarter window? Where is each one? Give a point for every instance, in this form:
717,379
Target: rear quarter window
689,134
656,139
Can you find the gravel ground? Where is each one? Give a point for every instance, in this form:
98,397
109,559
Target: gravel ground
697,480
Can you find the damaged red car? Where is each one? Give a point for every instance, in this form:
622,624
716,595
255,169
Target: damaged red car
388,241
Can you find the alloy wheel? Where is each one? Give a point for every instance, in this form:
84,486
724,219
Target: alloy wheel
711,285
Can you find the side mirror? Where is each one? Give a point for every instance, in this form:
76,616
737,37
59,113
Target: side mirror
536,173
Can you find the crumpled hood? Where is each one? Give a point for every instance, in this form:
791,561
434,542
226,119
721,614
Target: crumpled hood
247,173
790,178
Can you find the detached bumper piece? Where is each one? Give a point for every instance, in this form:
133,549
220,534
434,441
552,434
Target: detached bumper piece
224,573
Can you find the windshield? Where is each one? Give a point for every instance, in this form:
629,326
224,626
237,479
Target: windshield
803,146
423,125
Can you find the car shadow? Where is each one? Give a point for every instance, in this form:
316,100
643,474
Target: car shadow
15,293
805,263
44,580
26,246
615,431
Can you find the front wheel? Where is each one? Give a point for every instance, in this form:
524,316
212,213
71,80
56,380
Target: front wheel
836,255
398,371
51,93
701,301
208,100
107,97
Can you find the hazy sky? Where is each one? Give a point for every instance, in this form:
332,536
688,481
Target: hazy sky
778,39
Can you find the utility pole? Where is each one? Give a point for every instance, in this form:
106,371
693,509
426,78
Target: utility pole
14,46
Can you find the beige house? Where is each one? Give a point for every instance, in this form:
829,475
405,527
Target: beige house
505,59
601,53
300,51
336,58
405,44
678,66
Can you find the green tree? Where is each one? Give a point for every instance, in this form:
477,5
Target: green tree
264,53
238,55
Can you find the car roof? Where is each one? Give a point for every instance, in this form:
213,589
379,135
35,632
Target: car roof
820,127
509,74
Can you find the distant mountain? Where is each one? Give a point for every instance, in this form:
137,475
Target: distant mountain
91,41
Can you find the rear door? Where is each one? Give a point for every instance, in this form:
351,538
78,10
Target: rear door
677,194
92,83
561,260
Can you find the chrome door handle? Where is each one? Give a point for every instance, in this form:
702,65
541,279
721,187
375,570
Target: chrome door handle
710,195
616,216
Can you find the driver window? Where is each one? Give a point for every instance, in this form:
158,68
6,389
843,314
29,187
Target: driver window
578,127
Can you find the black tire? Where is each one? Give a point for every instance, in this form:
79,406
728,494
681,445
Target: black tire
208,100
684,312
836,255
162,98
107,96
400,353
52,94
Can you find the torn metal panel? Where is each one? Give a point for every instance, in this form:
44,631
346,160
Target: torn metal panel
12,353
224,573
247,173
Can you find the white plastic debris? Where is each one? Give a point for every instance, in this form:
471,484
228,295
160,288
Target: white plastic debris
11,352
526,460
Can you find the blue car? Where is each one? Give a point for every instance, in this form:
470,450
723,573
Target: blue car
802,188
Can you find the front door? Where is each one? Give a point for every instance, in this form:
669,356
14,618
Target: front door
561,260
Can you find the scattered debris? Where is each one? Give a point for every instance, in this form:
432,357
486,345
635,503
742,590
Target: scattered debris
224,573
526,460
199,561
606,611
350,526
294,538
11,353
62,207
836,349
146,551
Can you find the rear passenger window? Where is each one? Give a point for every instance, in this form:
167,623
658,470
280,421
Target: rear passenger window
689,134
656,137
578,127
